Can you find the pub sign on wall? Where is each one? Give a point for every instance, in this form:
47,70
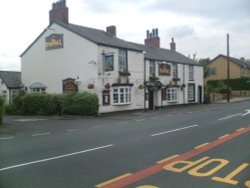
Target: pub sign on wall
54,41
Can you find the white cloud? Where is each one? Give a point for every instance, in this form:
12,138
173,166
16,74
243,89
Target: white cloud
198,26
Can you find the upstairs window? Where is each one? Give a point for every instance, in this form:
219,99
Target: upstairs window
175,70
191,72
108,63
123,61
152,68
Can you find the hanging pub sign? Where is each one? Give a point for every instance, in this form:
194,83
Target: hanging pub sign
54,41
69,85
164,69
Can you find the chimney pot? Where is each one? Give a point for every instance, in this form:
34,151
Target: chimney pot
152,38
173,45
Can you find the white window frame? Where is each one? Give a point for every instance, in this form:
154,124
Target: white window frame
172,95
123,60
175,70
191,92
38,90
121,95
191,72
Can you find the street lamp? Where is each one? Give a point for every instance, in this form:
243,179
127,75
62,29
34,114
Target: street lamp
228,71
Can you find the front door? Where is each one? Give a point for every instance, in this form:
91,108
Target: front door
200,94
151,99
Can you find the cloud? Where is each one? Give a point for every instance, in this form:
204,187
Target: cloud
181,31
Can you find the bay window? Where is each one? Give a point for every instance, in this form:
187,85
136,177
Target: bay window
121,95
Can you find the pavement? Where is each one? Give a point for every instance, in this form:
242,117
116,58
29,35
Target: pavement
235,99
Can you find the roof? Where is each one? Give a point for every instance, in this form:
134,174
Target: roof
11,79
239,62
101,37
38,85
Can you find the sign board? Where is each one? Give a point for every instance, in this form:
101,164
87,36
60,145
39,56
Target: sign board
54,41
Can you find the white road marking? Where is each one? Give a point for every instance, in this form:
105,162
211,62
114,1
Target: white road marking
174,130
6,138
54,158
72,130
31,119
247,112
154,117
122,122
139,120
41,134
229,116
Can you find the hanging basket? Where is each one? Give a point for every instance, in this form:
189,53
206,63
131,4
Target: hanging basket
91,86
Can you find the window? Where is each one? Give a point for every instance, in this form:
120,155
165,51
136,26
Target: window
109,63
191,72
191,92
122,95
152,68
175,70
172,95
212,71
123,64
38,90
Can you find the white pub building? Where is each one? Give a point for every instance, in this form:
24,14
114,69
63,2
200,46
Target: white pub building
125,76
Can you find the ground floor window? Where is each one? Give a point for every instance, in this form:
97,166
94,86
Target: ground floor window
121,95
38,90
172,95
191,92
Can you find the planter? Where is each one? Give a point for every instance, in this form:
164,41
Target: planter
107,86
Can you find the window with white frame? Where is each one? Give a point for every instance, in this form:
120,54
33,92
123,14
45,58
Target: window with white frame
109,63
175,70
38,90
123,62
191,72
172,95
152,68
191,92
122,95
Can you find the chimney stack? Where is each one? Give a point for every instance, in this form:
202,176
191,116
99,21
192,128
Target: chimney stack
111,30
59,12
173,45
152,38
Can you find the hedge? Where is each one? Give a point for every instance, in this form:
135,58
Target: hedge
237,84
83,104
1,109
80,104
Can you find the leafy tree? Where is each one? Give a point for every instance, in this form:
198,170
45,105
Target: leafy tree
204,62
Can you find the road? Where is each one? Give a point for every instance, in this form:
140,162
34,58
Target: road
193,146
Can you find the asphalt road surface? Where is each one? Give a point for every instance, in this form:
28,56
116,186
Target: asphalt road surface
179,147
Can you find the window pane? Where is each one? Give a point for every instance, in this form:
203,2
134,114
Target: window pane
109,63
123,60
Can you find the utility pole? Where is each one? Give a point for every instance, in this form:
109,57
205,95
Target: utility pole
228,70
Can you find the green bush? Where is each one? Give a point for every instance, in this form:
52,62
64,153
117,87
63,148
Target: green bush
1,109
83,104
41,104
80,104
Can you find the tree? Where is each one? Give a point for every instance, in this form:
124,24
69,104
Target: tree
204,62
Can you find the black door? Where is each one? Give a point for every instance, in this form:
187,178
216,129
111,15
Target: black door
200,94
151,100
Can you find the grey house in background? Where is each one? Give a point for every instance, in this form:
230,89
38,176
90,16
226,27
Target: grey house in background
10,84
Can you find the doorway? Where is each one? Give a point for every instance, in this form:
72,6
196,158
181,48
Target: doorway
151,99
200,94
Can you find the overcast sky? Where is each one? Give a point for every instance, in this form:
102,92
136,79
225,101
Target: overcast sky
198,26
